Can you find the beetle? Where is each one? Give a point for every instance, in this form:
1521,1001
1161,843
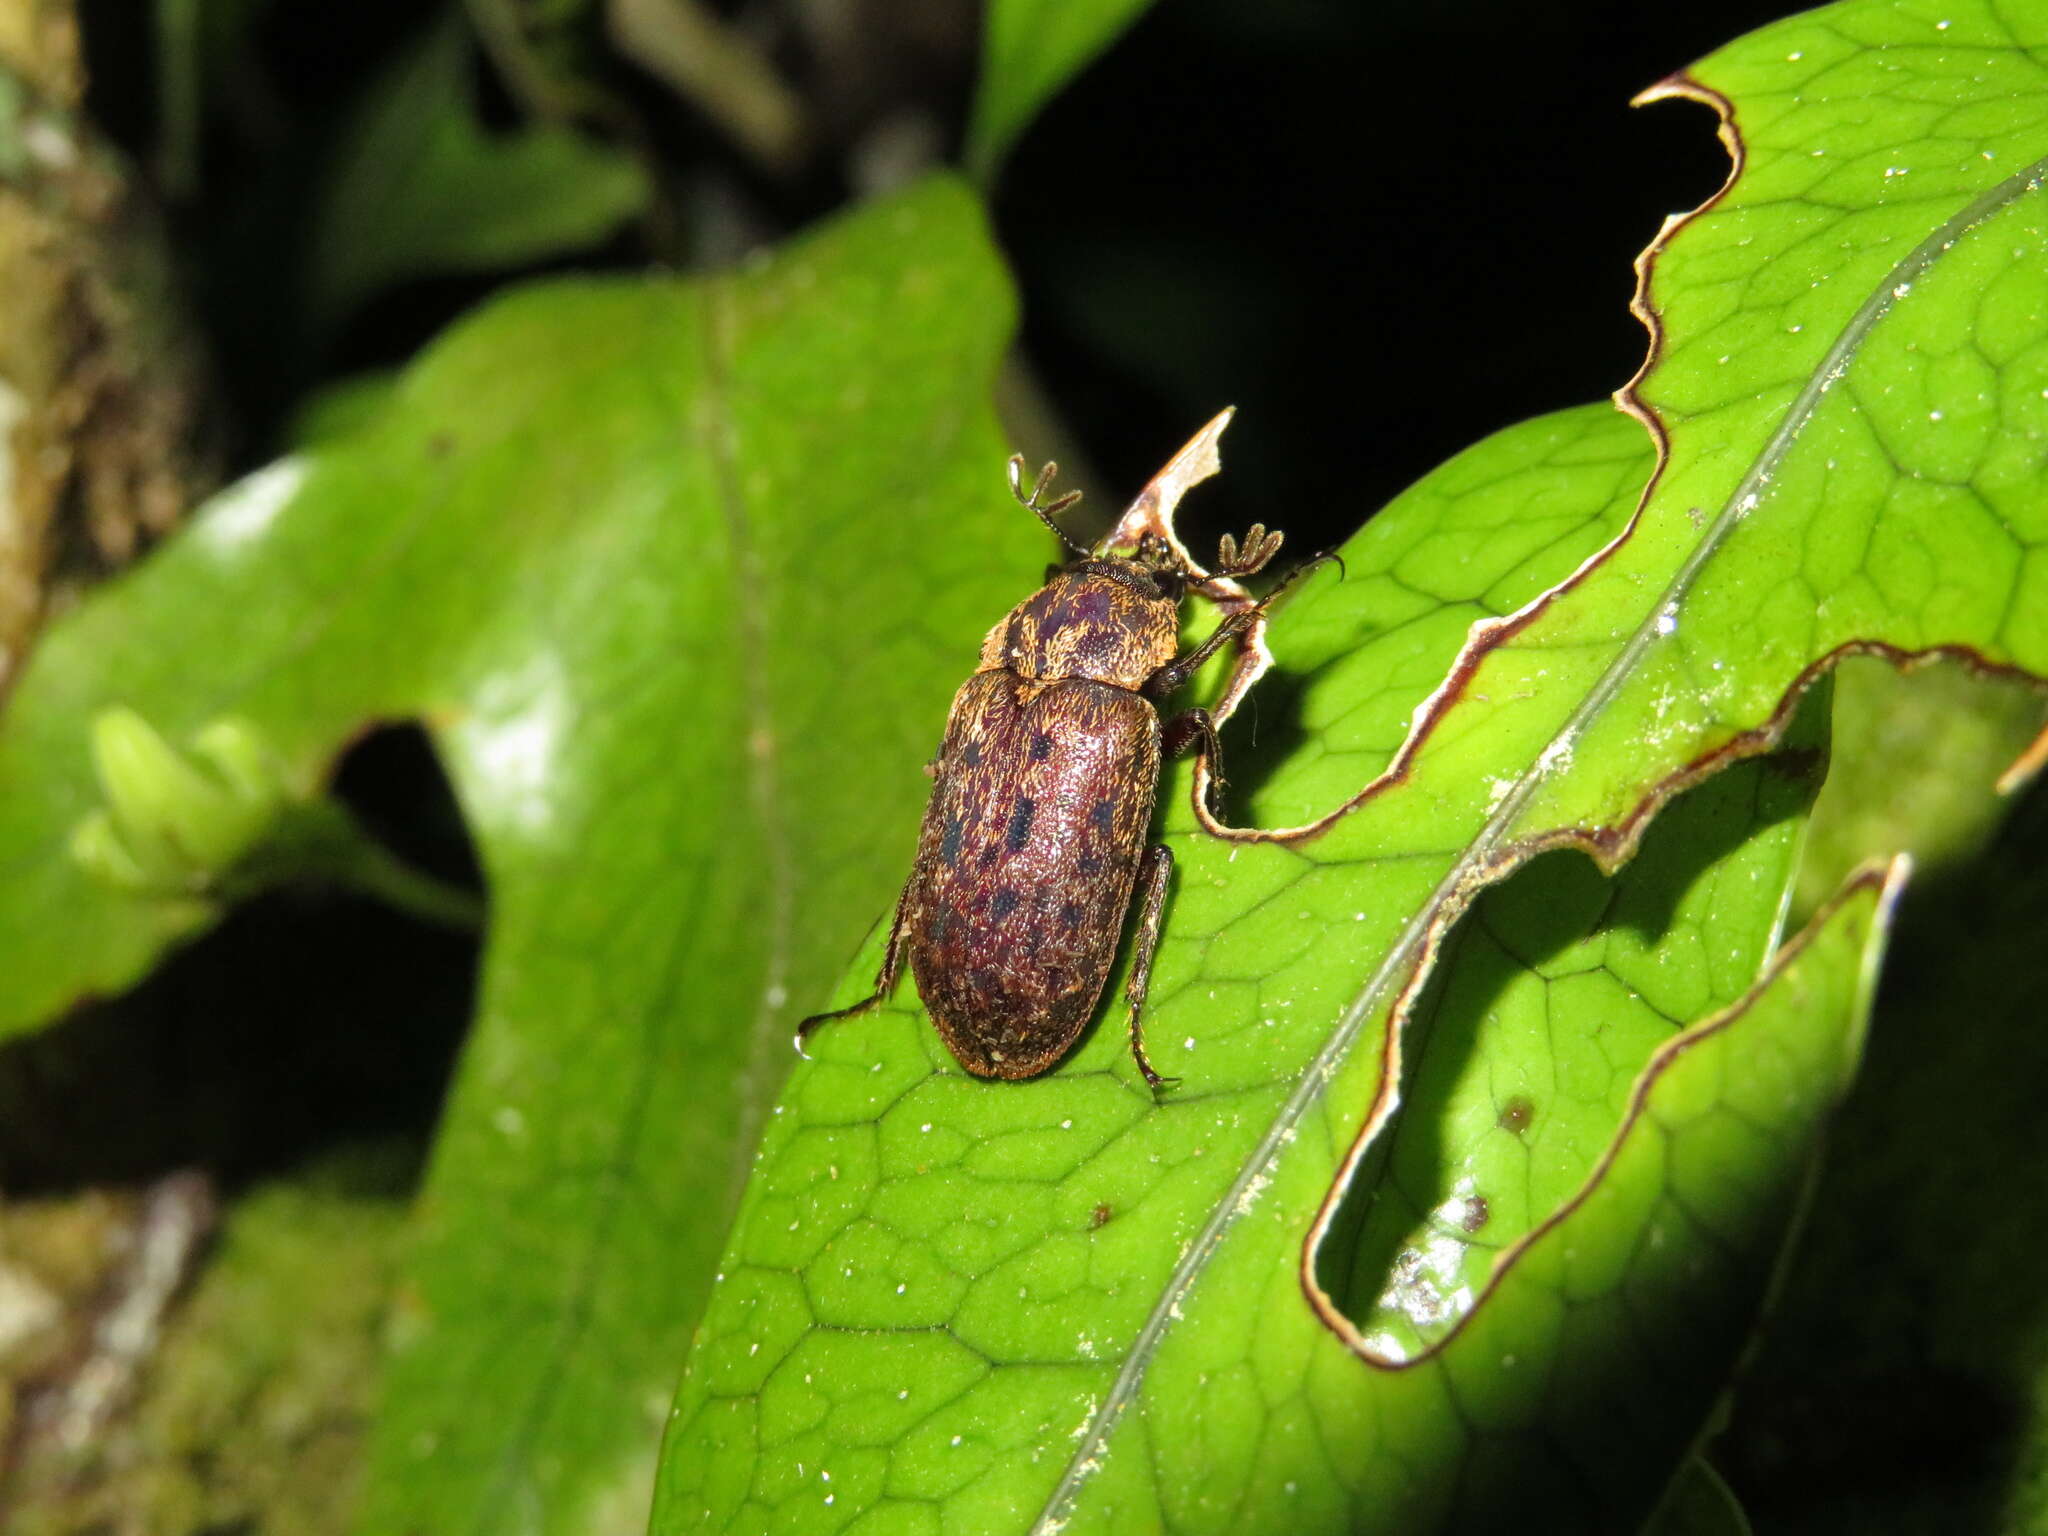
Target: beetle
1033,847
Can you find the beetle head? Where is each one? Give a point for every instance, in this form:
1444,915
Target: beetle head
1161,562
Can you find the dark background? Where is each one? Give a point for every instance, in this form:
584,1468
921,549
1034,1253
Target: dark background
1382,232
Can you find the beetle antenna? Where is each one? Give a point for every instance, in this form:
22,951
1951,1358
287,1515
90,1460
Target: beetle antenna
1314,562
1259,547
1034,501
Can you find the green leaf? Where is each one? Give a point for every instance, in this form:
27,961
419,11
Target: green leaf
923,1297
421,188
1030,49
1507,1110
1007,1221
656,561
1912,754
1699,1504
338,410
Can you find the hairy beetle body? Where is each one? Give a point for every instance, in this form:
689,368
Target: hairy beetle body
1034,841
1025,866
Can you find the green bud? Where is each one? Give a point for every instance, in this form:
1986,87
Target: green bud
100,852
176,820
241,757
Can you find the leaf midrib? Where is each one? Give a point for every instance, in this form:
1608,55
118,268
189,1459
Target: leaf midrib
1484,860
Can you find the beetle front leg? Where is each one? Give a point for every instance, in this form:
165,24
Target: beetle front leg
1169,679
1154,875
885,978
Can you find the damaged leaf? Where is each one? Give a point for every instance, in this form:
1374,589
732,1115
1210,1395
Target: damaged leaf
925,1313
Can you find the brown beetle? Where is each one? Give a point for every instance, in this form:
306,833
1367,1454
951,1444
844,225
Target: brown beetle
1034,840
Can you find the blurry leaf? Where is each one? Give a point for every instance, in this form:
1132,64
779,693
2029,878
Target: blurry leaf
1698,1504
1912,754
1902,1380
922,1297
721,71
656,561
420,187
546,53
1030,49
342,408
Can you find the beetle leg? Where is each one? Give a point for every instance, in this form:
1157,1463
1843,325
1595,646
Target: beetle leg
885,978
1193,728
1153,877
1169,679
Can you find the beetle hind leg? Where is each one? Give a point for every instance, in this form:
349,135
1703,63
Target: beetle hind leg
885,978
1154,875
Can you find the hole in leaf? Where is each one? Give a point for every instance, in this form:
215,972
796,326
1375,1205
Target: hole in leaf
308,1017
1547,1002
